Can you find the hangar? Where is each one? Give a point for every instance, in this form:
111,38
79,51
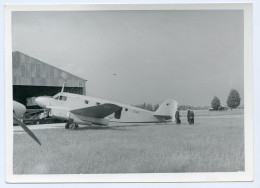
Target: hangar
33,78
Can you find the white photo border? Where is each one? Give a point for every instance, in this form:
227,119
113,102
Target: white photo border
247,175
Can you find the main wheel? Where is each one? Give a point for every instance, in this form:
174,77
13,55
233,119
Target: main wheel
67,125
76,126
72,125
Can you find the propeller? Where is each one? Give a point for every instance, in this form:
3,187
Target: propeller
28,131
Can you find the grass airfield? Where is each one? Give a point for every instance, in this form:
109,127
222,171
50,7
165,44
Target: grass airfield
214,144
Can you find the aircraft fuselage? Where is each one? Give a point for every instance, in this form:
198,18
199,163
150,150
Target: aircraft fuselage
63,104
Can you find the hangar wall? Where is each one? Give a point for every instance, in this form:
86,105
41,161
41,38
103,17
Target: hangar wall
32,78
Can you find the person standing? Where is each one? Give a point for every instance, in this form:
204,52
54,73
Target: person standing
192,117
188,115
177,117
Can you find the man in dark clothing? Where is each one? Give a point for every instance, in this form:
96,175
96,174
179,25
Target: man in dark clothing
188,116
192,117
177,117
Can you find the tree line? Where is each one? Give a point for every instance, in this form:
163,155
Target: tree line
154,107
148,106
233,100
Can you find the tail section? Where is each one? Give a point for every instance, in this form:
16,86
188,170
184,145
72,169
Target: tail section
167,109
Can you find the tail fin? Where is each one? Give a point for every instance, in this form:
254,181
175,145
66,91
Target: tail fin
167,109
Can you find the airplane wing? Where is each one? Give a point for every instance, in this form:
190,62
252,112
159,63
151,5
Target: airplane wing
99,111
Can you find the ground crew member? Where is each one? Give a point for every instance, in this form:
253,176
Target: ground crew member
188,115
177,117
192,117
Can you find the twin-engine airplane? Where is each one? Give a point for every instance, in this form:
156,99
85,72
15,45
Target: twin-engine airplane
81,109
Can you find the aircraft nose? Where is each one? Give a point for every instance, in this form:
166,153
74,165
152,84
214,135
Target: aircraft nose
42,101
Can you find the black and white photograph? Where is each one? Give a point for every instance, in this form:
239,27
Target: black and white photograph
158,93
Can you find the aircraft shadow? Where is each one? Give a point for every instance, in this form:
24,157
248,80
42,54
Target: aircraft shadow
101,128
118,127
139,125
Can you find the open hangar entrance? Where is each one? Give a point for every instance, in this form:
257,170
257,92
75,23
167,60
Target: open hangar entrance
33,78
27,94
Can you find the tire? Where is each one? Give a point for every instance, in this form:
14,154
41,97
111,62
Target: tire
67,126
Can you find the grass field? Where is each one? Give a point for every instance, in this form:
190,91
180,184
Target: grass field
214,144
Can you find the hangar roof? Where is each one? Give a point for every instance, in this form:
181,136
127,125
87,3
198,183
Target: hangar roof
33,72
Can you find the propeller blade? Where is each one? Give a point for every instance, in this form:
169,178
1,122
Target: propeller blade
26,130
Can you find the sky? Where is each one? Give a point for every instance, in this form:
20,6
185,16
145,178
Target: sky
140,56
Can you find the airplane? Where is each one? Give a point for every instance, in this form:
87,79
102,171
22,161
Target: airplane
18,111
81,109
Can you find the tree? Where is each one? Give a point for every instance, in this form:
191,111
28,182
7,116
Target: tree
215,103
149,107
233,99
155,107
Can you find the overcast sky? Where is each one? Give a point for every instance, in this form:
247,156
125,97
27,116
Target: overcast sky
190,56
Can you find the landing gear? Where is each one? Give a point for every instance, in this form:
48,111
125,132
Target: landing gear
72,125
67,125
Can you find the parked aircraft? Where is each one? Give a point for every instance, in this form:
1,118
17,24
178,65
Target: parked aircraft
18,111
81,109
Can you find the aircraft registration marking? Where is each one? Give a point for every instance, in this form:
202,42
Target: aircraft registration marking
136,111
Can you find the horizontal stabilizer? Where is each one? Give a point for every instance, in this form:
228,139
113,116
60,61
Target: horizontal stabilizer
99,111
163,117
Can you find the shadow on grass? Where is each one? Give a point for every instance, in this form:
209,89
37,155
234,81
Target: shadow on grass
100,128
118,127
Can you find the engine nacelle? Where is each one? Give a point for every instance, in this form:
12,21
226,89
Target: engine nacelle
64,113
88,120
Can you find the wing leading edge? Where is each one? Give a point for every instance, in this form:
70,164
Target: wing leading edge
100,111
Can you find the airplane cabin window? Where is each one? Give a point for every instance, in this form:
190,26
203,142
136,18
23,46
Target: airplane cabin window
86,102
126,109
98,103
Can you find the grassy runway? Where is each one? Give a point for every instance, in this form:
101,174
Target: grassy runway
214,144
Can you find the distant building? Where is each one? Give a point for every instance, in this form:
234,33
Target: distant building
33,78
221,108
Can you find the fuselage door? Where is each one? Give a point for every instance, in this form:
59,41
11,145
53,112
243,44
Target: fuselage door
118,113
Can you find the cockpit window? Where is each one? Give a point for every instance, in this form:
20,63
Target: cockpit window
63,98
57,98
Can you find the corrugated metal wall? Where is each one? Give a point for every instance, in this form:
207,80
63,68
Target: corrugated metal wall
29,71
22,93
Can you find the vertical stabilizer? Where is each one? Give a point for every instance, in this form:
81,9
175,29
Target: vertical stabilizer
167,109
